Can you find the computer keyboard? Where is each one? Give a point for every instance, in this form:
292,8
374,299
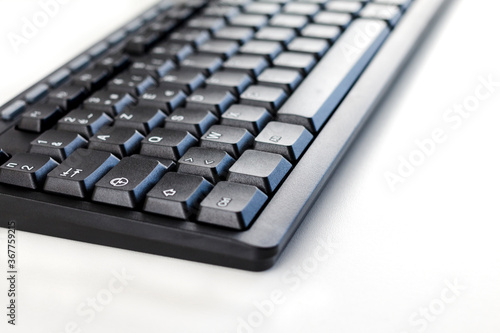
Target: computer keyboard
202,130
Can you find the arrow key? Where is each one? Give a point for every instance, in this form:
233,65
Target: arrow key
212,164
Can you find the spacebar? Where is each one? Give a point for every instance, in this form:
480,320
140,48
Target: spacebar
324,88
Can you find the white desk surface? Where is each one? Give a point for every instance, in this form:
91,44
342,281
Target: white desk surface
393,252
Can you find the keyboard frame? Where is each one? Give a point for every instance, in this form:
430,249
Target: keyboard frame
259,247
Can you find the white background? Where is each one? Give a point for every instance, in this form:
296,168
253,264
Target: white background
394,251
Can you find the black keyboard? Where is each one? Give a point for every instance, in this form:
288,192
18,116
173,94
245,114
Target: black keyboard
202,130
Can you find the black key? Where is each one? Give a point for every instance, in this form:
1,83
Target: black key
238,34
251,64
26,170
141,118
262,8
299,61
209,23
172,50
3,156
330,33
150,65
296,22
177,195
167,144
78,174
114,63
205,63
213,99
79,63
186,79
401,3
276,34
92,79
287,140
323,89
252,118
163,97
329,18
225,12
178,13
117,140
268,49
59,77
349,7
141,43
134,84
220,48
128,182
249,21
235,82
270,98
12,110
162,27
239,3
212,164
296,8
68,97
195,37
286,79
232,205
316,47
36,93
112,103
263,170
39,118
84,122
233,140
57,144
388,13
196,122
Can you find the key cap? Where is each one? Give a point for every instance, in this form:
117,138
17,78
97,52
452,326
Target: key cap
114,63
68,97
59,77
261,8
296,22
306,9
252,118
164,97
268,49
117,140
299,61
233,140
78,174
98,50
215,100
112,103
349,7
316,47
39,118
195,37
57,144
79,63
84,122
221,48
249,21
127,184
250,64
323,89
26,170
401,3
239,3
329,18
134,84
150,65
92,79
36,93
267,97
178,13
162,27
390,14
330,33
238,34
212,164
186,79
263,170
276,34
194,121
172,50
232,205
209,23
207,64
177,195
141,118
285,79
141,43
134,26
167,144
3,156
287,140
235,82
13,110
225,12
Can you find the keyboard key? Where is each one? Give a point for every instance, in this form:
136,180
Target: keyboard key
213,99
286,79
388,13
141,43
209,23
78,174
297,8
249,21
401,3
79,63
167,144
117,140
263,170
329,18
141,118
164,97
225,12
270,98
151,65
235,82
162,27
194,121
268,49
232,205
114,63
349,7
128,182
172,50
276,34
59,77
292,60
323,89
110,102
212,164
330,33
238,34
233,140
84,122
195,37
316,47
221,48
251,64
57,144
98,50
92,79
26,170
287,140
39,118
252,118
296,22
262,8
134,84
177,195
68,97
186,79
205,63
36,93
